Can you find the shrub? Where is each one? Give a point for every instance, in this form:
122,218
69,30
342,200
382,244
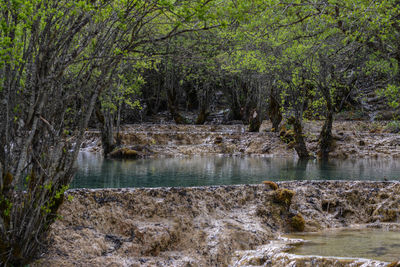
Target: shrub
393,127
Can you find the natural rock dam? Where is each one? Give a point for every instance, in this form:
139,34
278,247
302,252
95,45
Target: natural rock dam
352,140
214,225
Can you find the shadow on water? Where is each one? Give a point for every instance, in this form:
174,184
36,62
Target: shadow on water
96,172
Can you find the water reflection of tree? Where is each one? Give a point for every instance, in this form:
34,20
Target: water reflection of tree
331,170
301,169
95,172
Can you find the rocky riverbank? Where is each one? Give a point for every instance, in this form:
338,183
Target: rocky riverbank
212,226
352,139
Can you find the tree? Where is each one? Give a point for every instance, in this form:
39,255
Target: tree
40,43
56,59
159,22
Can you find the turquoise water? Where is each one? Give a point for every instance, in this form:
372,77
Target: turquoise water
366,243
96,172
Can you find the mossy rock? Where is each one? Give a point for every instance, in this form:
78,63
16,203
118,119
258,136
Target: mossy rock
271,184
298,223
218,140
284,196
394,264
124,153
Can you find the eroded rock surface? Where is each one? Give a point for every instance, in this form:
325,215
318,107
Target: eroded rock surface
204,226
351,140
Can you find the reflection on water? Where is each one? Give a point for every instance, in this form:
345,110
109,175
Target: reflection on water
366,243
95,172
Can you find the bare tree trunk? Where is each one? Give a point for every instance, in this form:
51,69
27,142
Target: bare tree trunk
300,144
274,112
106,130
202,116
254,122
173,109
118,135
326,139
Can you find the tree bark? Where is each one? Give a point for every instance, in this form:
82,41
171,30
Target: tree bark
106,130
202,117
274,113
326,139
173,109
254,122
300,144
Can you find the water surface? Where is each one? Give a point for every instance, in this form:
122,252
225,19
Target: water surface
96,172
366,243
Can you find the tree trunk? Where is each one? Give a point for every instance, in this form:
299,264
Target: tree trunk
201,118
254,122
106,130
192,101
300,144
274,113
118,138
236,110
172,108
326,139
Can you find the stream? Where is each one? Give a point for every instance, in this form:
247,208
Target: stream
96,172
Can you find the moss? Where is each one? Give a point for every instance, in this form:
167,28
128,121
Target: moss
218,140
124,153
284,196
297,223
130,153
287,136
394,264
291,144
271,184
390,215
282,131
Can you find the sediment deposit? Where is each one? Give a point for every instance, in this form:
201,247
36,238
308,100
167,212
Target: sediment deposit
211,226
352,139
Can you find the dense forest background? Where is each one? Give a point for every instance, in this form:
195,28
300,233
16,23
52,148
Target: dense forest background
69,65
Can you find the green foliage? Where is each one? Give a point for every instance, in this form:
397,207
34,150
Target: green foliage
56,59
392,94
53,202
5,206
393,127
